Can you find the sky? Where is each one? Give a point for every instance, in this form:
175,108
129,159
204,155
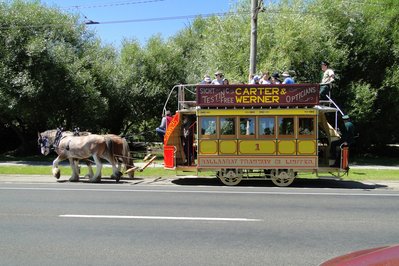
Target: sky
139,19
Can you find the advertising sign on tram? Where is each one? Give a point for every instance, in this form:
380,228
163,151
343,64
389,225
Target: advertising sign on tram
244,95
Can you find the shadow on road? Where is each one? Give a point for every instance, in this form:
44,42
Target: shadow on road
298,183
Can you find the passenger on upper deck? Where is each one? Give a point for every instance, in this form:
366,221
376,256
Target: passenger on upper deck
276,78
218,78
287,78
255,80
226,82
207,80
265,78
327,80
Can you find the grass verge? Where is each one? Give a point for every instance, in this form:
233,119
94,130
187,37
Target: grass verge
356,174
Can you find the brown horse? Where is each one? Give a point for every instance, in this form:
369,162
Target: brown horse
75,148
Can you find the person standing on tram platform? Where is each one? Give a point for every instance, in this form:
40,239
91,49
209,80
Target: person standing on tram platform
326,81
347,140
188,139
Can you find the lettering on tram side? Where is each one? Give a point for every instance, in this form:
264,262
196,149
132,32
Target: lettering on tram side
257,95
215,96
258,162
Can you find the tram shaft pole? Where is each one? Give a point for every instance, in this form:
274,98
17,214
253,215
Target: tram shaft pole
254,32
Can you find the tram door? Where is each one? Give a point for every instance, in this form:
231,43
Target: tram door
179,141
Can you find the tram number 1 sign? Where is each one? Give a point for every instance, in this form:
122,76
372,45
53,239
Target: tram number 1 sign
242,95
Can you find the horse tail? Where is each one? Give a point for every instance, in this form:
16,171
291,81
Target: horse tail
127,159
110,149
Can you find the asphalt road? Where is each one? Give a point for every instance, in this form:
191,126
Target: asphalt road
190,222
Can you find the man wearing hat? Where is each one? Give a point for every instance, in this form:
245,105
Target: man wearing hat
287,78
218,78
348,135
327,80
347,139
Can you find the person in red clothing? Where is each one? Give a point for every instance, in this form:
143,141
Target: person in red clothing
161,130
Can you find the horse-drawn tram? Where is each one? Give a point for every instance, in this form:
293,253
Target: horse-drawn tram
261,132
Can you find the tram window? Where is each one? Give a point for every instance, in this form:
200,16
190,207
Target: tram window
306,126
227,126
208,126
266,126
286,126
247,126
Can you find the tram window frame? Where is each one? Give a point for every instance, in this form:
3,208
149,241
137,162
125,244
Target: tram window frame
263,136
290,136
251,136
312,134
227,136
202,130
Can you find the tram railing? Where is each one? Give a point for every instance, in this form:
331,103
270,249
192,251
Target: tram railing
184,100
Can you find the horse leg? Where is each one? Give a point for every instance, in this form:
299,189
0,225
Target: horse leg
97,177
90,174
75,171
55,170
131,164
116,174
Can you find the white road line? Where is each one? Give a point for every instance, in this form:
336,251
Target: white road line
296,193
161,218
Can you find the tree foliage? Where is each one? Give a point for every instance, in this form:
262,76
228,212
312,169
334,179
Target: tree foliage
55,72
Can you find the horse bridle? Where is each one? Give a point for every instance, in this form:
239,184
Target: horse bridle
44,141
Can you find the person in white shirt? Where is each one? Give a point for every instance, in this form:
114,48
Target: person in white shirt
327,79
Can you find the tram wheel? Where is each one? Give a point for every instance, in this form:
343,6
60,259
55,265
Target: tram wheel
230,177
282,178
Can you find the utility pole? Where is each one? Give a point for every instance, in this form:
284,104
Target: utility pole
254,33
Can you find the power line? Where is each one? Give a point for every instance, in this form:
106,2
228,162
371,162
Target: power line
112,4
168,18
129,20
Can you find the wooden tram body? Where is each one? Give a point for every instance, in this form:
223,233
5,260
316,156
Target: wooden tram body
245,131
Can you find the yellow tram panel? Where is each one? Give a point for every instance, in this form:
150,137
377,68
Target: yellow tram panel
208,147
264,147
228,147
307,147
286,147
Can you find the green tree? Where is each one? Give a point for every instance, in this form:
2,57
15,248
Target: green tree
47,72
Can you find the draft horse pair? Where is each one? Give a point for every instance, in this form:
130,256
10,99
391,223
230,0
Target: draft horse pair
67,145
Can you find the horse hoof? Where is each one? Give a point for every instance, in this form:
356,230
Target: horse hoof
95,180
57,173
118,176
74,179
